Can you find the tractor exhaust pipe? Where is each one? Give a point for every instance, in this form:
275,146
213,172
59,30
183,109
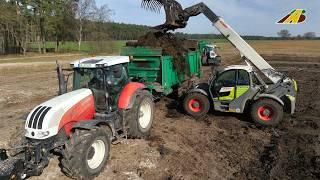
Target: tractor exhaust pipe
61,79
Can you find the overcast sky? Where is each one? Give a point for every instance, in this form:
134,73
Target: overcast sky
248,17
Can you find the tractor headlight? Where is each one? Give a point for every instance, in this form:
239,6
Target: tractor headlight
292,98
34,134
212,55
295,85
42,134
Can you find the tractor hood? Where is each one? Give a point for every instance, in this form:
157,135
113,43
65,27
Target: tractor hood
48,118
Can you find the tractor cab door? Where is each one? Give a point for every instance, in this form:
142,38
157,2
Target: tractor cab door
228,87
116,79
92,79
231,84
224,86
243,83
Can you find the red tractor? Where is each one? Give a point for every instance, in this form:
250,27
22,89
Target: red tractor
80,125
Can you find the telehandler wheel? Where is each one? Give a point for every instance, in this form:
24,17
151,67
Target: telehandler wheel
196,105
140,117
267,112
86,153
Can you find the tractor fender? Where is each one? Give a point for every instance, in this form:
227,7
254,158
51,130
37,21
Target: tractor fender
87,125
128,95
270,96
202,88
201,91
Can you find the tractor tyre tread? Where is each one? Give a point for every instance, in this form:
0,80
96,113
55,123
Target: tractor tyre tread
277,110
132,116
200,97
73,162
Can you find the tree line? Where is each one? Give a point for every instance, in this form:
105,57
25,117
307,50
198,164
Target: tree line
282,35
285,34
28,21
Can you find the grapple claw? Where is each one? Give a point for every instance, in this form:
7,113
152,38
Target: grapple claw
152,5
174,13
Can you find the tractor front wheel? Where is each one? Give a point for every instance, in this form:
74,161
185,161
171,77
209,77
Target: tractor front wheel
140,117
267,112
86,153
196,105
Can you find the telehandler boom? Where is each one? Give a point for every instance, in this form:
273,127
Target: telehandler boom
177,18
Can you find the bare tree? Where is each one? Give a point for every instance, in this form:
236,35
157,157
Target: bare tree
84,10
102,14
309,35
97,25
284,33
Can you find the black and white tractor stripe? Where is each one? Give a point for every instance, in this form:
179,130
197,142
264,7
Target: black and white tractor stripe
36,119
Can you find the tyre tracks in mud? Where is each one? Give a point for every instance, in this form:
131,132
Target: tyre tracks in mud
294,148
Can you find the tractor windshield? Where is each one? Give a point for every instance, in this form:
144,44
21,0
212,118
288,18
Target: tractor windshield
210,49
88,78
105,83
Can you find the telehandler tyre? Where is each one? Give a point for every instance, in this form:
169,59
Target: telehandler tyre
267,112
196,105
86,153
140,117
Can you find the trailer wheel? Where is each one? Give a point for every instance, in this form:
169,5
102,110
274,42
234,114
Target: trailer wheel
140,117
196,105
86,153
267,112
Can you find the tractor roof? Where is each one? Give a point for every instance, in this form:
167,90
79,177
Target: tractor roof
100,61
210,45
243,67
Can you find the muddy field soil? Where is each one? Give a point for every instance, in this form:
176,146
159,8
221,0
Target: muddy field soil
218,146
226,146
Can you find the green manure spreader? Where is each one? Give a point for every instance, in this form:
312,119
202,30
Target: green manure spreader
160,72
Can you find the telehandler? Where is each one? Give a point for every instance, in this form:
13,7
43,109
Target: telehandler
257,87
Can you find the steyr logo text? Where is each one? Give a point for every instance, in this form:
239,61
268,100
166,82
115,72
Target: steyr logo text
295,17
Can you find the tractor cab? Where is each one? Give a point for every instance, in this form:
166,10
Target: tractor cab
232,82
105,76
231,86
210,55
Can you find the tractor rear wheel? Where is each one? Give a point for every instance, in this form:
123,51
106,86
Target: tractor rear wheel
196,105
140,117
86,153
267,112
